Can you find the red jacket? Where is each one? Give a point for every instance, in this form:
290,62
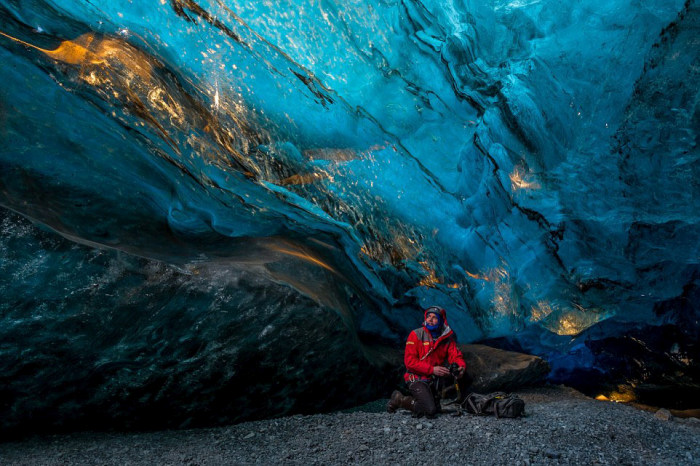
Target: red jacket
423,353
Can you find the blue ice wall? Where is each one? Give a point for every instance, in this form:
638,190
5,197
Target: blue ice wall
531,166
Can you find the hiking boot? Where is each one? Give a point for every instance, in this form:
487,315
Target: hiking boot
398,400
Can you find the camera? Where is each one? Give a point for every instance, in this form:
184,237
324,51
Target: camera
454,369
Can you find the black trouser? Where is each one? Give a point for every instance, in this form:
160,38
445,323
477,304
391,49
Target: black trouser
427,394
427,402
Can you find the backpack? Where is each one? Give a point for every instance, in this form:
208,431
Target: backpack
499,404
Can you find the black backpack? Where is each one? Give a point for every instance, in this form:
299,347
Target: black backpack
499,404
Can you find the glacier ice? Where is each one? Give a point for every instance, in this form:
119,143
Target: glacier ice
223,171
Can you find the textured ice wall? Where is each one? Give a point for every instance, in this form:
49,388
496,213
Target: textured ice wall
531,166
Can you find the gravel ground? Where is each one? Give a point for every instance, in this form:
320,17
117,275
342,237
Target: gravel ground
561,427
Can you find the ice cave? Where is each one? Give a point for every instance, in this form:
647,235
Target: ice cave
219,210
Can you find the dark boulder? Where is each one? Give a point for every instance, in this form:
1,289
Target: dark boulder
491,369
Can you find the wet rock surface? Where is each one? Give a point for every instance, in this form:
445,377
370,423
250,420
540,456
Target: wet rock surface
561,427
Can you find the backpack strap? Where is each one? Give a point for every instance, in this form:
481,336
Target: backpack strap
470,401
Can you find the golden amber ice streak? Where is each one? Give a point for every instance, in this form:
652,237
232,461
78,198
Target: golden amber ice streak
87,49
306,256
123,72
520,179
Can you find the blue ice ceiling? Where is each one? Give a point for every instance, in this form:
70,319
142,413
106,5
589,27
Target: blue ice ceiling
531,166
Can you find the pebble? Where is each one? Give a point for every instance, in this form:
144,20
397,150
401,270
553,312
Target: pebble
663,415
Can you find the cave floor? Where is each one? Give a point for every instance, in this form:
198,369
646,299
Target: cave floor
562,426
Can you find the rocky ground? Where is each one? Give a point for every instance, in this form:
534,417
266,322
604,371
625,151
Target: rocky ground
561,427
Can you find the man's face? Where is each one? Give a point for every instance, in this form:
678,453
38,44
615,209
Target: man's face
432,319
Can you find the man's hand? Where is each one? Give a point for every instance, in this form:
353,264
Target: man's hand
441,371
461,372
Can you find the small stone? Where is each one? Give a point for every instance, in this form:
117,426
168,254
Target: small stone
363,447
428,425
552,454
663,414
419,427
250,435
689,456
